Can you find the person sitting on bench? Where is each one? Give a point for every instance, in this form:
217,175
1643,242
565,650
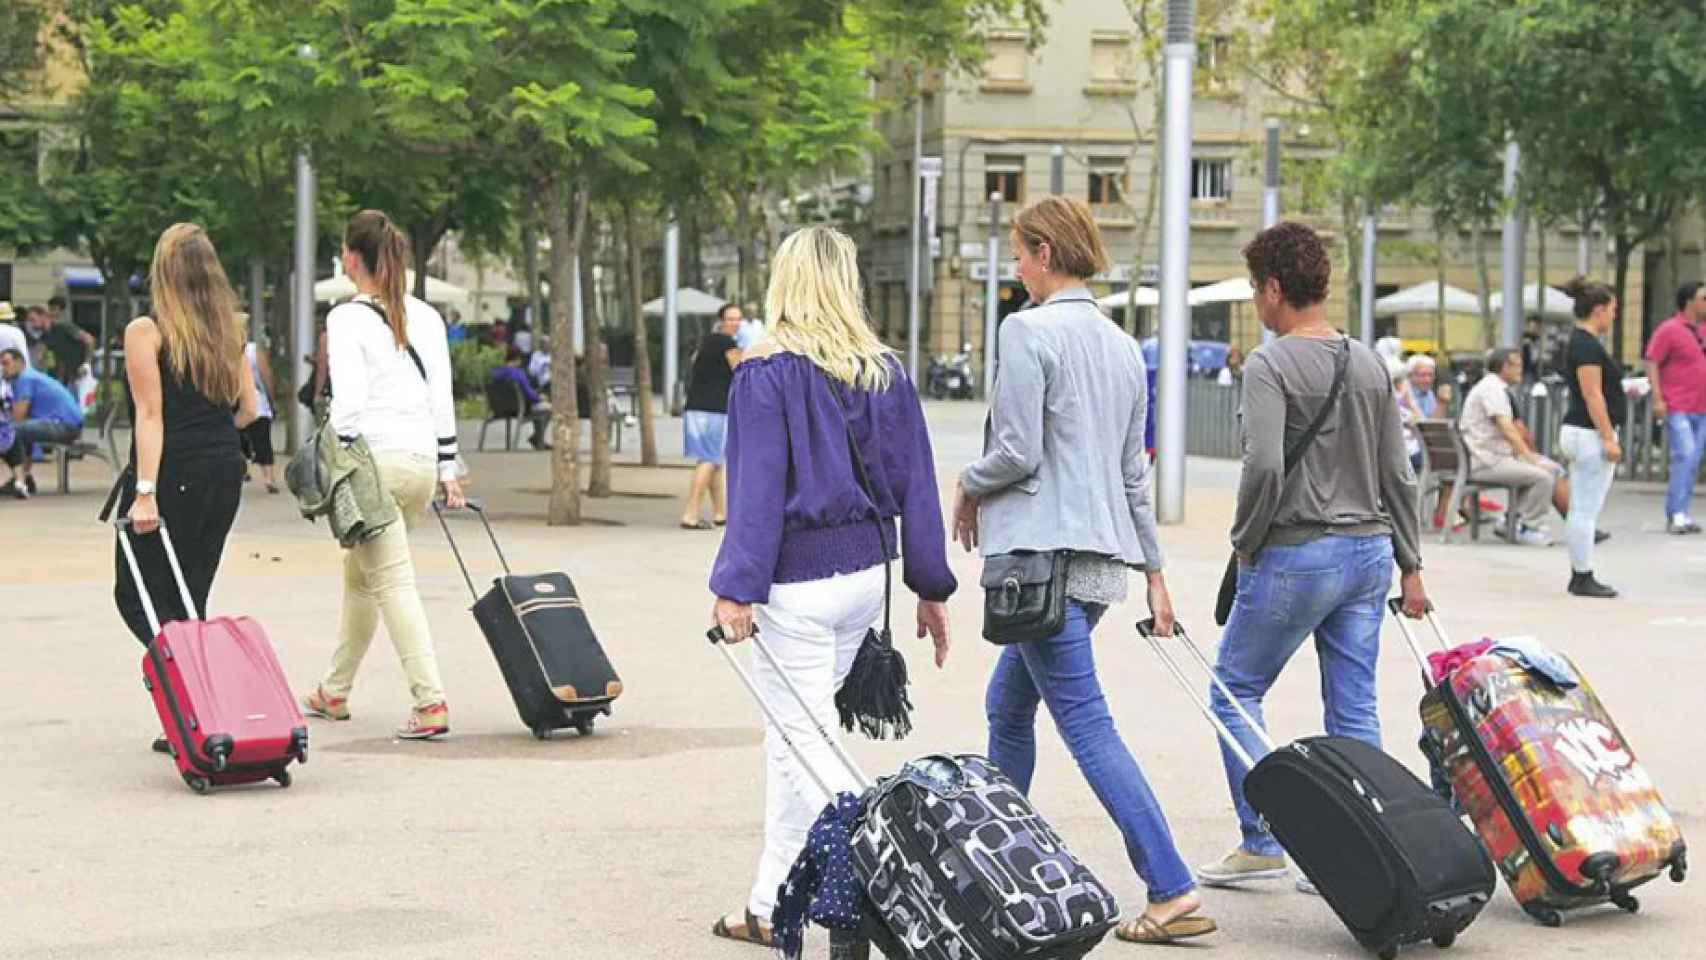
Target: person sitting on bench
537,409
43,411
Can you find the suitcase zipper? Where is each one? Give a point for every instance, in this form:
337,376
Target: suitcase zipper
1501,791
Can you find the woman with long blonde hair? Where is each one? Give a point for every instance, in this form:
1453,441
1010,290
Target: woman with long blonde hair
190,391
827,449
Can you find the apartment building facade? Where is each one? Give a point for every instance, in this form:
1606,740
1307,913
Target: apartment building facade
1084,97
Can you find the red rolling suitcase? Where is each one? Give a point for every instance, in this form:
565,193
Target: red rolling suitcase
1555,792
222,698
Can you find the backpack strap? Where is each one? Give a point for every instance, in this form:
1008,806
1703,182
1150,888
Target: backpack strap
369,304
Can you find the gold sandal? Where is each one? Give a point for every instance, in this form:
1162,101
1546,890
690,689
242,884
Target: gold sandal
1146,930
751,931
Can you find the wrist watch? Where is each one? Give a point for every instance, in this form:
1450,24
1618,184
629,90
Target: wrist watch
145,488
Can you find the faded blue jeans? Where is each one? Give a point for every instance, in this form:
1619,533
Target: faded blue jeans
1061,672
1335,588
1686,433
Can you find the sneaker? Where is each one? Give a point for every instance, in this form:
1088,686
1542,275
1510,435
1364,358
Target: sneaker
11,489
1534,537
30,483
1584,585
1682,524
1241,866
1305,886
426,723
1491,506
317,704
1600,536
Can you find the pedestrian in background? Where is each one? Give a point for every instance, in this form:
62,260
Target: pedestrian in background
1319,521
257,436
1588,437
705,419
1064,471
390,371
1499,452
1676,364
827,450
186,372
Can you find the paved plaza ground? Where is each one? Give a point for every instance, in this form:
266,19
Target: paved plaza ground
627,845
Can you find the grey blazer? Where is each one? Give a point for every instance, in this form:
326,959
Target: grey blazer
1064,466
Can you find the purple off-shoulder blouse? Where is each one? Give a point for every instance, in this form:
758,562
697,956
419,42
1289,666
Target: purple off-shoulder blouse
796,509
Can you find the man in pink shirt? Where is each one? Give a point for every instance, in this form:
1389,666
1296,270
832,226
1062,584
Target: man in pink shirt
1676,362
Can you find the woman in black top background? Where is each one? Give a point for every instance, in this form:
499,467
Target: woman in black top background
1589,434
704,422
191,391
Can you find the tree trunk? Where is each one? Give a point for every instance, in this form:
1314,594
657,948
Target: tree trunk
1540,285
642,343
743,244
562,227
1352,225
1146,216
422,255
1623,251
530,264
257,301
1439,275
1484,277
597,376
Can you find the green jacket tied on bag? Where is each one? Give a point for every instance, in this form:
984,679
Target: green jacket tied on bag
340,481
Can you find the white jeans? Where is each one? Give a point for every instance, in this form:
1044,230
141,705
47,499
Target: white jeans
1590,481
814,630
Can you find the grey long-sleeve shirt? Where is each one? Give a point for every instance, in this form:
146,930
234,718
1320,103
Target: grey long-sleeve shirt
1355,478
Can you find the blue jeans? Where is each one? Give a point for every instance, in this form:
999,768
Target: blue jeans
1061,671
1335,588
1687,435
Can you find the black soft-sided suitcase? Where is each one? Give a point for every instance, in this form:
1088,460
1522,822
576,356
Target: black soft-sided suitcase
1386,853
954,862
539,632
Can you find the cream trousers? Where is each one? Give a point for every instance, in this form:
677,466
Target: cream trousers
379,584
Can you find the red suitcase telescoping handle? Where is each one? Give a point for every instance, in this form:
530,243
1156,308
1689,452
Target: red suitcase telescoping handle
123,526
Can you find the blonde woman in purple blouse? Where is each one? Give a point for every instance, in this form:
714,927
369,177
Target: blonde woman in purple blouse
804,552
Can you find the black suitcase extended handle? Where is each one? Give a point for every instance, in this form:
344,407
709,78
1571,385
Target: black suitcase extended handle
715,635
480,511
1146,629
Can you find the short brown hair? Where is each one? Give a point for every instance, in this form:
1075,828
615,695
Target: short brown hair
1294,255
1069,229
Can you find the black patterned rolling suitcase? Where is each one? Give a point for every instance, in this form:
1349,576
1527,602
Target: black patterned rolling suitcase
539,632
955,863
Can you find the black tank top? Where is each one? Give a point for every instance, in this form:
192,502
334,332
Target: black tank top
196,427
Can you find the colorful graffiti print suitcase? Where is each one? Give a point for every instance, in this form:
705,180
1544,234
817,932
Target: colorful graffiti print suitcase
1556,794
955,863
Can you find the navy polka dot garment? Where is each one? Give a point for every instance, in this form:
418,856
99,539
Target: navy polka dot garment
821,887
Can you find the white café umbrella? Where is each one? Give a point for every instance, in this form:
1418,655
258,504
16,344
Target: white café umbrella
1426,298
340,288
688,303
1235,290
1557,304
1146,297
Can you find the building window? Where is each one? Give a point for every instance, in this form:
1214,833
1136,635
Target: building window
5,281
1111,61
1009,64
1107,180
1005,175
1214,61
1211,180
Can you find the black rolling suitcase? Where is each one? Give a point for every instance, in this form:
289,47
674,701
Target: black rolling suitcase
1386,853
538,631
954,862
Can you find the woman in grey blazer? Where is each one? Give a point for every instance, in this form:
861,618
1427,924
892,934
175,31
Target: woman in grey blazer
1064,469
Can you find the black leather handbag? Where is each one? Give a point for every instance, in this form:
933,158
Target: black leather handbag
1024,595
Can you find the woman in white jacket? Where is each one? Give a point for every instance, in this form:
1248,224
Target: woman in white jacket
390,370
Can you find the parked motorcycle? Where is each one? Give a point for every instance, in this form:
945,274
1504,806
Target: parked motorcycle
951,376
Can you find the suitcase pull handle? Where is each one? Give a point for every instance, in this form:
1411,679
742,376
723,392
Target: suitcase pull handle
1396,605
1146,629
479,509
720,641
122,524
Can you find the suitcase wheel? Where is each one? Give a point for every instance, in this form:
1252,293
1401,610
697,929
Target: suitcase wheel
1625,901
1388,953
283,778
583,724
198,784
1445,940
1546,917
541,732
1679,865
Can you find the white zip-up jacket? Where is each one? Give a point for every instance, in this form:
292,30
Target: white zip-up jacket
377,392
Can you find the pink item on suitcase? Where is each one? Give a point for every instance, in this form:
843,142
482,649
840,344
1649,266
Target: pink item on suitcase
222,698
